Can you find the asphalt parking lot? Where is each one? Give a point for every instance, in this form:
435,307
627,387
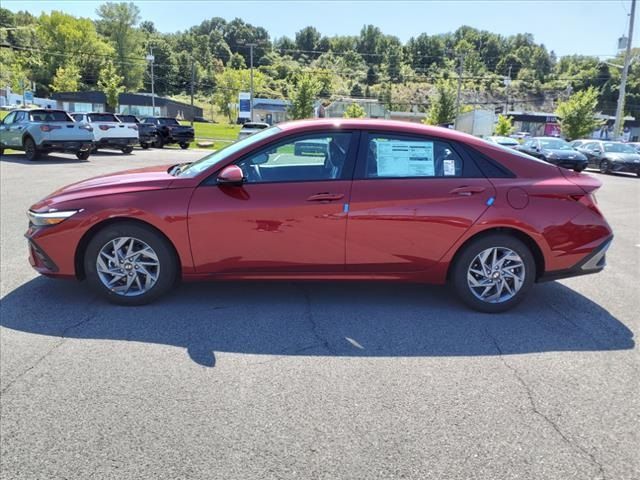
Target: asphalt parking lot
312,380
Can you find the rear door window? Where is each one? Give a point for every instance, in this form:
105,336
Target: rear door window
102,117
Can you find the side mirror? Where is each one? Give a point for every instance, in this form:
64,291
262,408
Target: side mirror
231,175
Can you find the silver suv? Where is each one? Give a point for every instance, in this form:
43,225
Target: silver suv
41,131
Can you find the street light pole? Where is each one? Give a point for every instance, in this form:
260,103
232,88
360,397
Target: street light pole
251,45
151,58
625,71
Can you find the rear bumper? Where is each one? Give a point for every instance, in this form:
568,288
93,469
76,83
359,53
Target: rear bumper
148,138
66,145
630,167
179,138
577,165
592,263
116,142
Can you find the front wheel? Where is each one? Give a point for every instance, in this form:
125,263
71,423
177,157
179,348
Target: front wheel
493,273
158,143
127,150
604,166
84,155
30,150
130,264
184,146
144,146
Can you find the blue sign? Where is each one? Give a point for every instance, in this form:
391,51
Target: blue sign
28,97
244,102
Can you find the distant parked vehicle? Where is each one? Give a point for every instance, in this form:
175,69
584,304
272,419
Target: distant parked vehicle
108,131
612,157
520,136
147,132
556,151
41,131
170,131
504,141
576,144
250,128
636,146
201,120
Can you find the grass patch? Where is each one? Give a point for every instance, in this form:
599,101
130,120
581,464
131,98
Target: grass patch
221,134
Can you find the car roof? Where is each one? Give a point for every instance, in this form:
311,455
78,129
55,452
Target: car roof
548,138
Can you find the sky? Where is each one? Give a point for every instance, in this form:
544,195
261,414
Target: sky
587,27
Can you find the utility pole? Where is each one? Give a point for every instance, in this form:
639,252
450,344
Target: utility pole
460,63
507,84
625,71
251,45
151,58
193,79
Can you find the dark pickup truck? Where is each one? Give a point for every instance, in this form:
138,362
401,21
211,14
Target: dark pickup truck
170,131
147,132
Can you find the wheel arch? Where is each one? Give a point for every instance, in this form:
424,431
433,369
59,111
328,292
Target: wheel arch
519,234
89,234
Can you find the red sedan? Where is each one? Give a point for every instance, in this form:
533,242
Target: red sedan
329,200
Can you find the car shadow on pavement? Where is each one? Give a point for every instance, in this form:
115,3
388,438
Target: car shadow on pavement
336,319
48,159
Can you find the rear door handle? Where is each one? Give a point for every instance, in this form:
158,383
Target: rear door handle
467,191
325,197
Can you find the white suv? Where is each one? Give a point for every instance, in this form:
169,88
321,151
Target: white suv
108,131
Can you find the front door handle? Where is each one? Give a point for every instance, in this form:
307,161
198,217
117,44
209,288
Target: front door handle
325,197
467,191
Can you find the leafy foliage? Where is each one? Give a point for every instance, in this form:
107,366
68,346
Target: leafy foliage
354,111
303,97
110,82
66,79
443,106
504,125
577,114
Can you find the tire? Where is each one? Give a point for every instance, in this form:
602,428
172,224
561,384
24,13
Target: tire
30,149
604,166
158,143
127,150
1,151
165,271
468,259
83,155
145,146
184,146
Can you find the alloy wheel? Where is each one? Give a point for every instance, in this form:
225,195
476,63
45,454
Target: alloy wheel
496,275
128,266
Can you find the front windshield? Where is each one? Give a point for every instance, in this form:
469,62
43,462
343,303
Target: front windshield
168,121
618,148
555,144
220,155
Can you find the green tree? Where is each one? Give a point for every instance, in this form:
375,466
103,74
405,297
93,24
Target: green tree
304,96
229,83
117,23
354,111
66,79
504,125
443,105
237,62
356,90
110,83
577,114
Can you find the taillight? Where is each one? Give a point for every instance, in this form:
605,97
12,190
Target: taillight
588,200
48,128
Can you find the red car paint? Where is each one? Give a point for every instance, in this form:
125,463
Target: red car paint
403,229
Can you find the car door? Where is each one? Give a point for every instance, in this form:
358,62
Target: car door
592,151
287,217
412,198
6,134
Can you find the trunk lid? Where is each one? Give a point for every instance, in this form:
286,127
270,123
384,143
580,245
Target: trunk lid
588,183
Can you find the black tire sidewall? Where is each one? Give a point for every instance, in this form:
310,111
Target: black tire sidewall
466,256
83,155
34,155
166,256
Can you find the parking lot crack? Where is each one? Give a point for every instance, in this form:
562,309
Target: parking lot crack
540,414
308,314
63,338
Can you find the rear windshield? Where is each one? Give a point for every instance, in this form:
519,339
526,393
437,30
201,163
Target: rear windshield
618,148
102,117
128,118
257,126
554,144
168,121
49,116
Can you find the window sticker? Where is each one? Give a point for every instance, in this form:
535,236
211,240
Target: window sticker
449,168
398,158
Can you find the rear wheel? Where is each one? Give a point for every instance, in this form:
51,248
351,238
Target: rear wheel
158,143
130,264
184,146
1,150
30,150
493,273
604,166
127,150
84,155
144,146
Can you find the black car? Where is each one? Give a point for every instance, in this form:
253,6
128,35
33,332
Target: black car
147,132
612,156
170,131
556,151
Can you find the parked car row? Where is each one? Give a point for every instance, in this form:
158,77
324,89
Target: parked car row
41,131
606,156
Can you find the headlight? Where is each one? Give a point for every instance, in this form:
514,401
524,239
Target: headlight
50,218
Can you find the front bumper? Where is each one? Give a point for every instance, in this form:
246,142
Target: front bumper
149,138
66,145
577,165
629,167
592,263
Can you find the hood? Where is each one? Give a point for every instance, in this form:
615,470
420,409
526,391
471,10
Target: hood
624,157
565,154
150,178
